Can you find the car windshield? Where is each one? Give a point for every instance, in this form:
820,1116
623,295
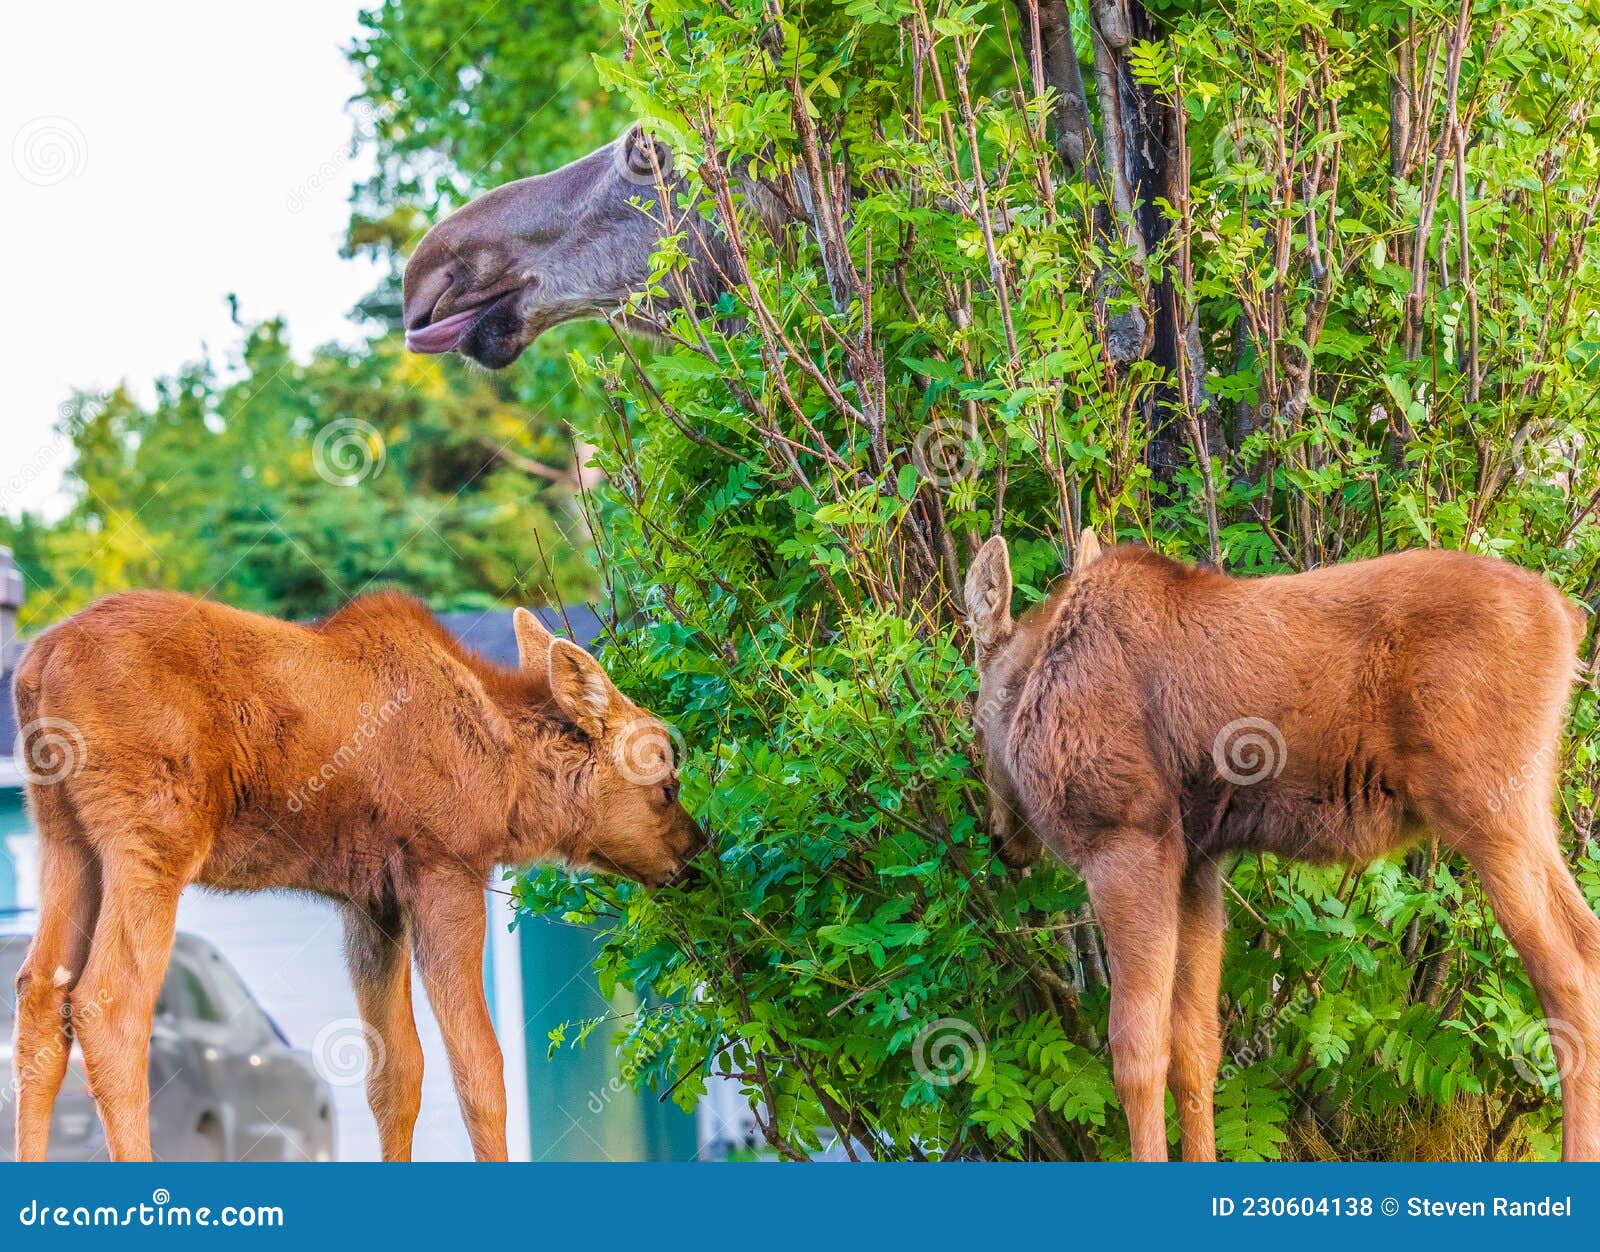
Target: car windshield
11,953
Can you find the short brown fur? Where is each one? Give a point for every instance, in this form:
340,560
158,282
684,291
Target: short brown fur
1151,716
368,758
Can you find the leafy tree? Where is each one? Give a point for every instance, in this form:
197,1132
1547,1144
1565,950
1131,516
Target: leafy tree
287,488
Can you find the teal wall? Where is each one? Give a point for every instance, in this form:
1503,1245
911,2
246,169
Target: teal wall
579,1107
13,821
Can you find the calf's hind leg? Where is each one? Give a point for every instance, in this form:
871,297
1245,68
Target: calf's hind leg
1134,884
115,999
1557,937
379,956
69,901
1196,1028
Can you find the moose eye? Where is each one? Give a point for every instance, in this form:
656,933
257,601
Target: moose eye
645,153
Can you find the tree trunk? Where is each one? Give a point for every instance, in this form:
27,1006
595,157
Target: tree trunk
1138,158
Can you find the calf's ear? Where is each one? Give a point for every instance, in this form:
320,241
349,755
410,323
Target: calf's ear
1089,551
583,690
533,640
988,595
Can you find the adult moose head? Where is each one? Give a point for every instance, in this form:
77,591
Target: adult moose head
574,243
1150,718
369,759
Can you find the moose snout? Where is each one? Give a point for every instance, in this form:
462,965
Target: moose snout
692,840
695,838
1020,853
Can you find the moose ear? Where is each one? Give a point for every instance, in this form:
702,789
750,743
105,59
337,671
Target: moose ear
1089,552
583,690
533,640
988,594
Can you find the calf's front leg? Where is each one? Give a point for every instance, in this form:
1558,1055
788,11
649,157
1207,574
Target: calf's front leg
450,920
1134,882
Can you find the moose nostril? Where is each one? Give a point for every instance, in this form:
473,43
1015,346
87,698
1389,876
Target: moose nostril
424,316
431,274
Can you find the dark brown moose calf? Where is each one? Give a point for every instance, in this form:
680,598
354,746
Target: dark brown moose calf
1150,716
368,758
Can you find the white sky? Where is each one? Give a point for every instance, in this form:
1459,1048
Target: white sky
156,158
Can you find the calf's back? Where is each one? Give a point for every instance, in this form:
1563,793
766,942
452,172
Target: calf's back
307,754
1324,715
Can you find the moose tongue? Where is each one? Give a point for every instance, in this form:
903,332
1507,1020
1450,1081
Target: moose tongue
443,335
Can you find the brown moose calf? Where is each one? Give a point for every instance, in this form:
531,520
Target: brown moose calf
1151,716
368,758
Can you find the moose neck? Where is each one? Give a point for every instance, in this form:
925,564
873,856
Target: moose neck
713,263
541,766
547,816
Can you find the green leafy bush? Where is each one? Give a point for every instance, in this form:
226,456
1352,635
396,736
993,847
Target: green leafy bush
1379,329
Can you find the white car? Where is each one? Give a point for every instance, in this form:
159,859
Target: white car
225,1084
